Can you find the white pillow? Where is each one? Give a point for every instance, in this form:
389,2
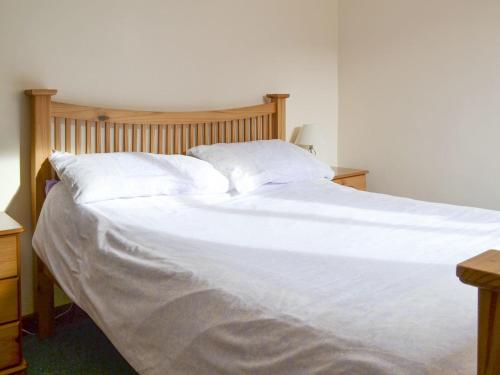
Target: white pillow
98,177
249,165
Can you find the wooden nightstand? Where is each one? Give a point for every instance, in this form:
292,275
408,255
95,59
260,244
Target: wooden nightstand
11,355
355,178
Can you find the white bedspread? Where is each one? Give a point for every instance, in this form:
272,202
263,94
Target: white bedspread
304,278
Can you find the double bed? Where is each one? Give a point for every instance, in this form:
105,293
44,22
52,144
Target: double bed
302,278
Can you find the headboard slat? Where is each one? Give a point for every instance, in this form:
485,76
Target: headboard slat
67,134
78,137
107,137
116,137
184,139
88,133
98,137
57,133
168,139
207,128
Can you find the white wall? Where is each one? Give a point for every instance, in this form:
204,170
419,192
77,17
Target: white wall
419,84
160,54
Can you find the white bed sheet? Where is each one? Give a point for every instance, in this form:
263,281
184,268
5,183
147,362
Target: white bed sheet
303,278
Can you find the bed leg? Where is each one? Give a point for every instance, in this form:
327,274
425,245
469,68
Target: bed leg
44,303
483,271
488,348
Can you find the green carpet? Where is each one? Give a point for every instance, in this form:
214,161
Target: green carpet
76,348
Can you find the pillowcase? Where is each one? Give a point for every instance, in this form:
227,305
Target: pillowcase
98,177
249,165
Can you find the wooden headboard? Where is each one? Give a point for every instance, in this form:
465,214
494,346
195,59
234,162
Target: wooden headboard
81,129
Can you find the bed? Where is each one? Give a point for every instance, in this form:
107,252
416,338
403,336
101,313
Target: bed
302,278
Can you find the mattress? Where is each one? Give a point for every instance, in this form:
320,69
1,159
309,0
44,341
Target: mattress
301,278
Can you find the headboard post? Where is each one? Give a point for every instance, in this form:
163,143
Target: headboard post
40,147
279,118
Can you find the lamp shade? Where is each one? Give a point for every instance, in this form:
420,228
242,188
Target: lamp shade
309,135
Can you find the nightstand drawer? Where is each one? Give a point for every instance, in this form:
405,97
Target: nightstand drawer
10,355
8,256
8,300
356,182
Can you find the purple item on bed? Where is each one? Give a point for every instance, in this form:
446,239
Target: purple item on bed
49,184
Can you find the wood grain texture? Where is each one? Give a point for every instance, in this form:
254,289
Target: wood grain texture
116,138
214,130
8,256
206,128
169,139
40,147
356,182
259,128
67,135
199,134
144,137
234,125
57,133
64,110
10,352
98,137
341,172
488,353
355,178
279,116
88,137
135,130
10,294
44,300
9,310
184,139
483,271
229,131
78,137
152,138
126,137
161,139
221,138
40,92
107,137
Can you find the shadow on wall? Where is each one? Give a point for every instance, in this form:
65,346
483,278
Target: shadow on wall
295,134
19,206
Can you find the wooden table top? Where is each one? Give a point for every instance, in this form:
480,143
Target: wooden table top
9,225
341,172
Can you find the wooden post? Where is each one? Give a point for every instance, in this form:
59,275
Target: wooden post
279,117
40,147
44,301
483,271
40,172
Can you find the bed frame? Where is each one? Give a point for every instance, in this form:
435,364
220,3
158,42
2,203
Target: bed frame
82,129
483,272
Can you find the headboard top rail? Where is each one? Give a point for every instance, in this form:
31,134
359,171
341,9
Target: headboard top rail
123,116
40,92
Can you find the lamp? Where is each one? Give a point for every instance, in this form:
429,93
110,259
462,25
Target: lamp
308,137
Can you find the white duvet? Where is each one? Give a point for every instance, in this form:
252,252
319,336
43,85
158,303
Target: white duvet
302,278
